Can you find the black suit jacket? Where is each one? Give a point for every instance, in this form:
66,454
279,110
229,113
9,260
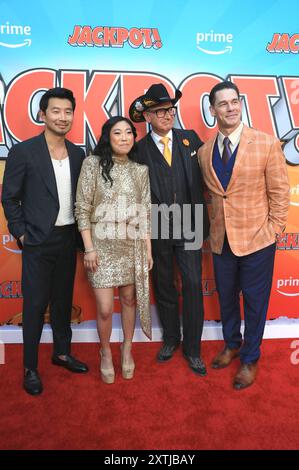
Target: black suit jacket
188,144
29,192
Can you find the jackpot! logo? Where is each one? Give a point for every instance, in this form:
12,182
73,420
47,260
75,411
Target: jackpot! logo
106,36
9,33
284,43
10,290
208,287
288,241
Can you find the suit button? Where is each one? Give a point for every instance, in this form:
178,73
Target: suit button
224,197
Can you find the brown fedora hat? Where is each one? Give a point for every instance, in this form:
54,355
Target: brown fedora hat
156,94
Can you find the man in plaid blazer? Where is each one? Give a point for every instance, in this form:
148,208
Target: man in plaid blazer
246,175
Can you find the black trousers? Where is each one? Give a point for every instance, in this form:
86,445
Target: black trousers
48,273
189,263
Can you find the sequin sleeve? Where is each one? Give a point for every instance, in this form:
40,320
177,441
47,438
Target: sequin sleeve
86,192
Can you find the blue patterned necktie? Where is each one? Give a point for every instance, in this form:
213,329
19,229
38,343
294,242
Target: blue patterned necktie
227,153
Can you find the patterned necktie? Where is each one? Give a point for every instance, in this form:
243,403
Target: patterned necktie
227,153
166,152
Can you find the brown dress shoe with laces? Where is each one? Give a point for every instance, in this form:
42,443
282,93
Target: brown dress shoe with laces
224,358
245,376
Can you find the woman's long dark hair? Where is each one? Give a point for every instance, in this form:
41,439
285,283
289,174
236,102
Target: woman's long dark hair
103,148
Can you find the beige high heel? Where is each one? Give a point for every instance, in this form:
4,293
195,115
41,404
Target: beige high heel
127,368
107,375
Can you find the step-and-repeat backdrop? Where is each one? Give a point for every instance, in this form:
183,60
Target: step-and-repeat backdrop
108,53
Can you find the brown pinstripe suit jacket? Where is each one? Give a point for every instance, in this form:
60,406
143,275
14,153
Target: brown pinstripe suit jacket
254,206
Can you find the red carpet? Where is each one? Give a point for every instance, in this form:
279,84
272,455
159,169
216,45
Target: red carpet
165,406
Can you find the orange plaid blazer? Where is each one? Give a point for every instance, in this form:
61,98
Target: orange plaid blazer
254,206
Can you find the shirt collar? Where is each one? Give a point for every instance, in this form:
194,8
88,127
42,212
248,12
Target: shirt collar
234,137
157,137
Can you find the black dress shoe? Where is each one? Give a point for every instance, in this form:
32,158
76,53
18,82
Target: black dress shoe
196,364
70,363
166,352
32,382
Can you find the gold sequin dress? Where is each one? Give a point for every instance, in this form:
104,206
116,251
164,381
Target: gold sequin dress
118,217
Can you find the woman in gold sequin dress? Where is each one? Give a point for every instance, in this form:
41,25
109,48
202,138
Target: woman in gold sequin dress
113,214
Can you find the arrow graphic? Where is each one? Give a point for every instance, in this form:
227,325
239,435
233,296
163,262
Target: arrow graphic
206,51
10,249
288,295
27,42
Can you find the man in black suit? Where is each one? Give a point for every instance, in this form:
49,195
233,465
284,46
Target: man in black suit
38,196
176,183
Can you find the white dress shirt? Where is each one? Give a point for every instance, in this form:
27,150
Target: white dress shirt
156,138
234,138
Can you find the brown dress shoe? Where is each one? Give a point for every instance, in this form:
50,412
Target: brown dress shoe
245,376
224,358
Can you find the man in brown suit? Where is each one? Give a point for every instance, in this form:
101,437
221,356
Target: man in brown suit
246,175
